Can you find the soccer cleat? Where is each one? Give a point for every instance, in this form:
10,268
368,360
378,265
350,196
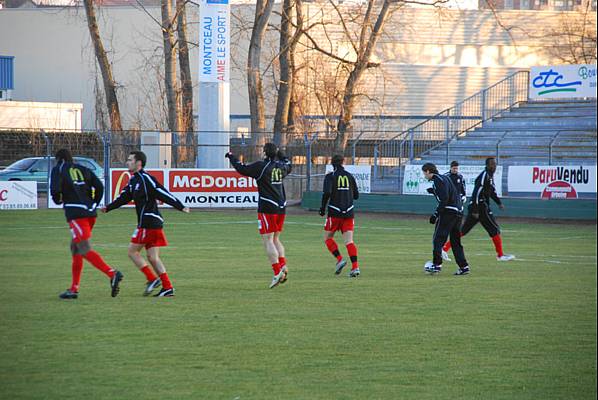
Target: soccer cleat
354,273
115,283
445,256
276,279
432,269
284,277
165,293
462,271
505,257
339,266
68,295
149,288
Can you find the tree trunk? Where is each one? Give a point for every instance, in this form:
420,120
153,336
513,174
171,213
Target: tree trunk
263,10
186,83
170,80
366,48
105,67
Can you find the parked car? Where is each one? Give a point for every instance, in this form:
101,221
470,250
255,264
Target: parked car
36,169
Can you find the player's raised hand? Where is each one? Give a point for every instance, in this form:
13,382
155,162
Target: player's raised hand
228,155
186,210
104,210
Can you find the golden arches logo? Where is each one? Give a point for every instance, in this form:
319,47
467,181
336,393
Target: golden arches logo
343,181
276,175
119,183
76,174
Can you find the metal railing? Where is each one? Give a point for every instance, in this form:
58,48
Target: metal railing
448,124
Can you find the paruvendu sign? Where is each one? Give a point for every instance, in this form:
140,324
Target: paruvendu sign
214,41
562,81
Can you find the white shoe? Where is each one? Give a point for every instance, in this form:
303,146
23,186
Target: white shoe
506,257
276,279
445,256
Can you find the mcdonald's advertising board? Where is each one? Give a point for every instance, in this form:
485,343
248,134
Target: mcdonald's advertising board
198,188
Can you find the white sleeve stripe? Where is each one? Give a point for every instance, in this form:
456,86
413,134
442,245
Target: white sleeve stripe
166,194
149,178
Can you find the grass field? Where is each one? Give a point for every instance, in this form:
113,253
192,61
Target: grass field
519,330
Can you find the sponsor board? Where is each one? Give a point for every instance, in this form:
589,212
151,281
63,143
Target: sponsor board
18,195
552,182
362,175
414,181
562,81
214,41
198,187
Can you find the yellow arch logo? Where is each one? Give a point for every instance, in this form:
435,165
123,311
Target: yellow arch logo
76,174
119,183
343,181
276,175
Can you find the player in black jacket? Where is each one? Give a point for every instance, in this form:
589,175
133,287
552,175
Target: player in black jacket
80,191
269,174
479,210
145,191
447,219
459,183
340,189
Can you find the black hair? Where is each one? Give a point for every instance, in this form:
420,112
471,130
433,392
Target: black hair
454,164
139,156
337,160
271,150
430,168
64,155
489,159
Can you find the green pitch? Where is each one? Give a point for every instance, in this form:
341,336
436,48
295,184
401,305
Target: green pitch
519,330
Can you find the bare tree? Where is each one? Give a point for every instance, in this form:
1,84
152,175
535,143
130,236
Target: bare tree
170,78
185,70
286,59
105,67
263,11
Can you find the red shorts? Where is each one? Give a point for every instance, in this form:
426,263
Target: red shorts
81,228
334,224
149,237
270,223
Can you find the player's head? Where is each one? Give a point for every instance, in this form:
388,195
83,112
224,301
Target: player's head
136,161
429,170
454,167
270,150
64,155
491,164
337,160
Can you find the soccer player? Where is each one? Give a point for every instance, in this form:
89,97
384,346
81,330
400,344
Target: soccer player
145,191
269,174
340,189
447,219
80,191
459,183
479,210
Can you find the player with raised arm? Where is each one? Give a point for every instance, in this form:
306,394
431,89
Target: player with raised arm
80,191
269,174
145,191
340,189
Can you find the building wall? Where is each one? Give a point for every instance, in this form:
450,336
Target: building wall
431,59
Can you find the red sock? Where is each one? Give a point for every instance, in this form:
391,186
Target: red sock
276,268
282,262
77,267
333,249
149,274
447,246
96,260
352,249
165,281
498,245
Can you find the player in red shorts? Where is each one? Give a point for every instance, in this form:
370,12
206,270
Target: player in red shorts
340,189
145,190
271,211
80,191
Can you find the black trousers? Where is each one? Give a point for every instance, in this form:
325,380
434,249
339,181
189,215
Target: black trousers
485,217
448,225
